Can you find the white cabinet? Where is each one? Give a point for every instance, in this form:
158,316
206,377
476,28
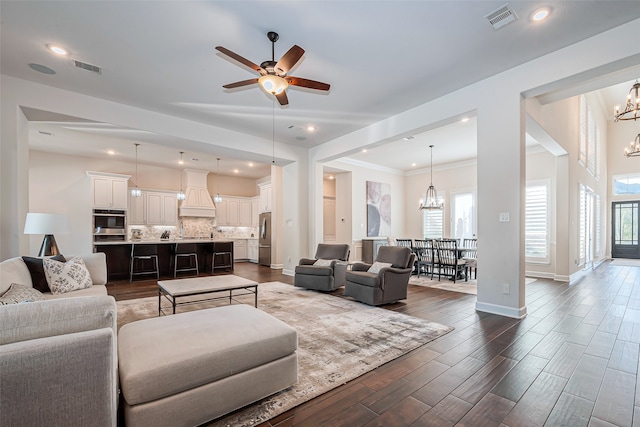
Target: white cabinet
252,250
244,213
255,211
161,208
240,249
109,191
234,211
136,210
265,197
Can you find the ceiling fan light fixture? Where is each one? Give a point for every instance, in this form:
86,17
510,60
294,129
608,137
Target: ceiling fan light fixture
273,84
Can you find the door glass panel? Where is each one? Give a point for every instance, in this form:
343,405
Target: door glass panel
462,225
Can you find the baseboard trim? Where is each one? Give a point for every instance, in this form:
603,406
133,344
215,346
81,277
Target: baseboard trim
276,266
539,274
561,278
502,310
577,276
288,272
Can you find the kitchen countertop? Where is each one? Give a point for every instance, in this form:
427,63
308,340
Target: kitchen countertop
171,240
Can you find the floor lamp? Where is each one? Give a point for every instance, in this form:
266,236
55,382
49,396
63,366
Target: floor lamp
47,224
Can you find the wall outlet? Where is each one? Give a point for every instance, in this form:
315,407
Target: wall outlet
504,216
505,289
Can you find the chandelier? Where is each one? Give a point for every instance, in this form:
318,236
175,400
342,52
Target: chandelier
631,110
431,200
633,150
217,198
180,195
135,191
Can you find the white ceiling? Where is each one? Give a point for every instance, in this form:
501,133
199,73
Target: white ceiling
380,57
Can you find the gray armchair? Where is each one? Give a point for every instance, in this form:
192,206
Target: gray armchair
323,277
389,284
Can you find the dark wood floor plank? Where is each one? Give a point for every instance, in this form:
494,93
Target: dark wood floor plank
586,380
521,347
536,404
489,412
615,401
447,413
479,384
520,378
565,360
570,411
549,345
354,416
402,414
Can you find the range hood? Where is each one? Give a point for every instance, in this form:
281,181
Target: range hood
197,201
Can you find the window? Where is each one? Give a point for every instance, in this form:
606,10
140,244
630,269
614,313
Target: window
589,152
598,224
537,222
462,221
432,224
626,184
582,230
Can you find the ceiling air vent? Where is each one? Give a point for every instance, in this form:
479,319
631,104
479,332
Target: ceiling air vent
501,17
86,66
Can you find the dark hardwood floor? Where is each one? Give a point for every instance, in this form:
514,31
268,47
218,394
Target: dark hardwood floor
573,361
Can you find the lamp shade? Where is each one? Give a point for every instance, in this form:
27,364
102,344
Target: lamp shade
45,223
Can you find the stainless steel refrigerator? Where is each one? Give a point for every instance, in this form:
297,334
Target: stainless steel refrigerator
264,239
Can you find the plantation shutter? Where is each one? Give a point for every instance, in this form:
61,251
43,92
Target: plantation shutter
537,223
433,224
582,233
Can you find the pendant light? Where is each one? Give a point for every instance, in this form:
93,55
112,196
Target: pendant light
431,201
181,195
135,191
217,198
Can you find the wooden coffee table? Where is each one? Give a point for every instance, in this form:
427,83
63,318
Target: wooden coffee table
174,289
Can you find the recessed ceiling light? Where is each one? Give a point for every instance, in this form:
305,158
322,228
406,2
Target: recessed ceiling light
540,14
42,69
409,138
236,171
413,164
57,49
364,150
311,128
250,165
465,119
330,176
111,152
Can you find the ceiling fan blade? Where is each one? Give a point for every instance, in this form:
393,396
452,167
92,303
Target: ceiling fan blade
239,84
282,98
289,59
241,60
312,84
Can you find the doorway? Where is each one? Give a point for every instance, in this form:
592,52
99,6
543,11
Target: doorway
625,226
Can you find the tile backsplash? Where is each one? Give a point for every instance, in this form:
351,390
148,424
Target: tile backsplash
195,227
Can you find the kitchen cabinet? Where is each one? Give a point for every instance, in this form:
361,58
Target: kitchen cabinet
252,250
136,213
234,211
161,208
265,197
109,191
240,249
255,211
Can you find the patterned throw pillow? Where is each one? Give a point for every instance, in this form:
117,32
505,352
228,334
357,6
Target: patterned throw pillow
17,294
377,266
66,277
36,269
323,262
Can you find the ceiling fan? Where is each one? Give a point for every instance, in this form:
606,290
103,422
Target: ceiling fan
273,75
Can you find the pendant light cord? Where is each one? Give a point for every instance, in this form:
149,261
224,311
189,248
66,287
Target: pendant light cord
273,132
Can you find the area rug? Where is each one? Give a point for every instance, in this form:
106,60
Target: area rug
338,340
469,287
626,262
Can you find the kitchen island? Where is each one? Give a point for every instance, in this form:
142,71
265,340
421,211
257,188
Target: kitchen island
118,254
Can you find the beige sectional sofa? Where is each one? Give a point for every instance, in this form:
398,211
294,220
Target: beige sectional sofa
60,359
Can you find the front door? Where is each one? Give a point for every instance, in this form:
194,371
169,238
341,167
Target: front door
625,230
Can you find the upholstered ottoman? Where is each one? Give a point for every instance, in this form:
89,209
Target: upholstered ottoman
189,368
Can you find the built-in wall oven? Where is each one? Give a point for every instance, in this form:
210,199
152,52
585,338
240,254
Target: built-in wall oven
109,225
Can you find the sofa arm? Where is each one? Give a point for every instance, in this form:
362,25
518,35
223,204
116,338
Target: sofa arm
306,261
360,266
66,380
28,321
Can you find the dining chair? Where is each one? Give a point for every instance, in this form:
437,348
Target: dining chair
471,257
448,262
425,258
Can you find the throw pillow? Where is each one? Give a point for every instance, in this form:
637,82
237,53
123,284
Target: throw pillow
38,279
323,262
377,266
17,294
66,277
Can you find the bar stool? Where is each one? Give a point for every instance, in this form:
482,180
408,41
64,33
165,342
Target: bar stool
221,251
143,252
182,250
